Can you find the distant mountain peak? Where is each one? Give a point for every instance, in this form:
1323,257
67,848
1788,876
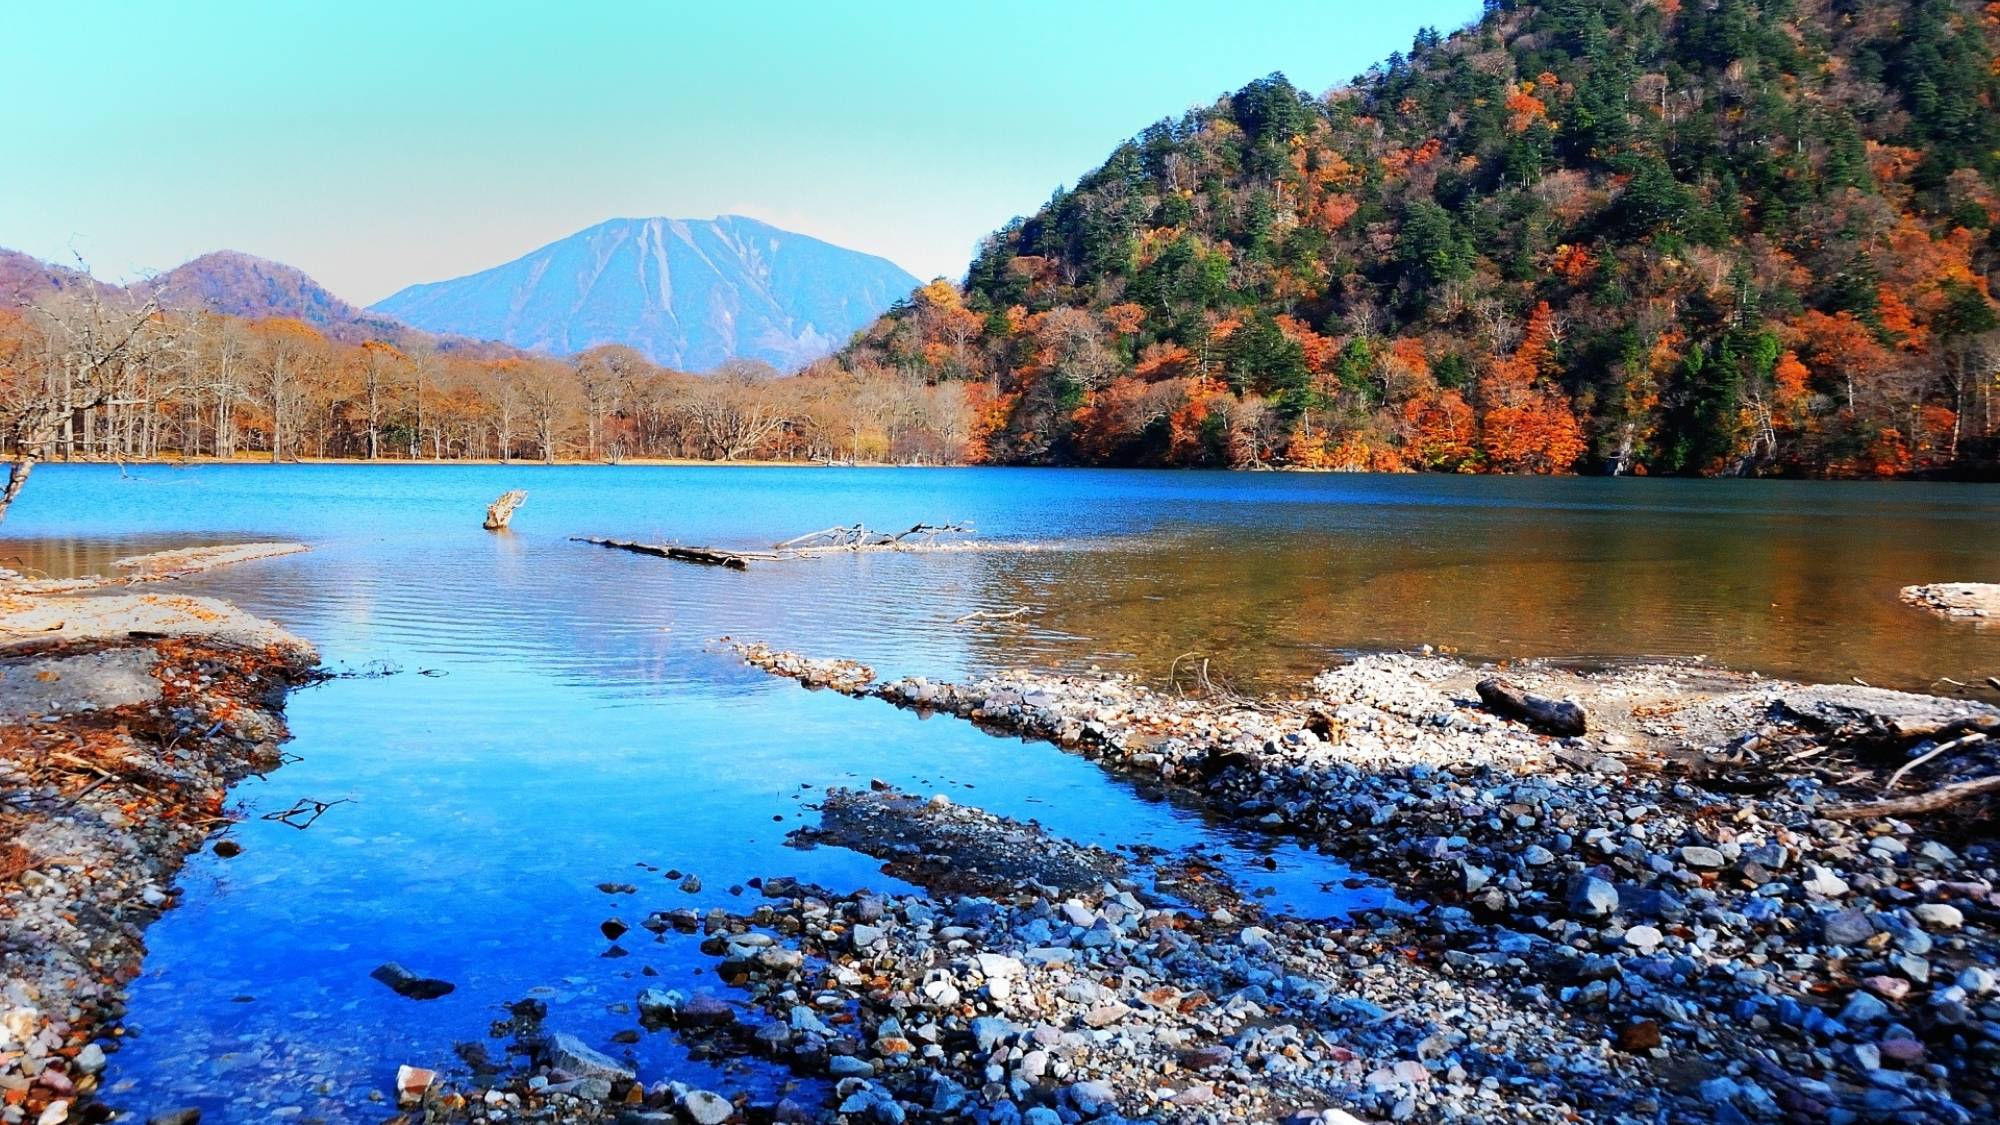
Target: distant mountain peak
687,293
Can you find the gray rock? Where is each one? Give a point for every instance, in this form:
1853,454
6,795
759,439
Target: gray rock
572,1056
990,1031
704,1108
1863,1007
1093,1098
1940,916
1846,927
1703,858
1592,897
849,1066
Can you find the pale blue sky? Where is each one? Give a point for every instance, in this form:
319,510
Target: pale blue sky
378,144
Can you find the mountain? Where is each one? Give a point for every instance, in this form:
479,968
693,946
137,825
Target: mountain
687,294
24,279
1667,236
239,284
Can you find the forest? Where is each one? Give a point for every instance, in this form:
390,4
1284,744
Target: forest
1721,237
148,383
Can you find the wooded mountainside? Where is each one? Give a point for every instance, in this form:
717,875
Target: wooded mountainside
1666,236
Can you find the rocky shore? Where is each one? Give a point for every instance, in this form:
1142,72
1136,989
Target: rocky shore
1977,600
123,720
1695,911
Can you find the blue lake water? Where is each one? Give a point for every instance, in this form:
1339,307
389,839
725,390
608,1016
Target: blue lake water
551,716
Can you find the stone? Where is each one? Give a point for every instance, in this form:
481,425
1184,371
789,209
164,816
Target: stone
849,1066
1644,938
412,1083
574,1057
705,1108
613,928
1863,1007
1093,1098
1846,927
1208,1057
706,1011
1703,858
405,983
1907,1052
1887,987
90,1059
1974,979
1940,916
187,1115
1592,897
990,1031
660,1004
1639,1036
1824,883
1537,856
865,935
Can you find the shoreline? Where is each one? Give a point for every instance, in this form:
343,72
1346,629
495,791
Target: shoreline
124,720
1696,909
766,463
1697,903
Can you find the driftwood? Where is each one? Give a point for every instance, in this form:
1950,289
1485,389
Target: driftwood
502,510
1941,748
1551,716
828,541
991,615
1937,800
707,556
859,537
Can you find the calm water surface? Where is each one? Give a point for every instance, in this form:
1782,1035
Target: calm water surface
545,716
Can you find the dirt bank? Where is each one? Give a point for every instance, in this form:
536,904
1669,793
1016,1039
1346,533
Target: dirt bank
123,720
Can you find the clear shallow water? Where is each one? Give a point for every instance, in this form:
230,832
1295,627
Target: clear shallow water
578,722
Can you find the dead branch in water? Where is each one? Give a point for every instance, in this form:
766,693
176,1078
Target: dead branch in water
827,541
860,537
707,556
501,511
991,615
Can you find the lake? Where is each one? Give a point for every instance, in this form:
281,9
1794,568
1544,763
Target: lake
526,717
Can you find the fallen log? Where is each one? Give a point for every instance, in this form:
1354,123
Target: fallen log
1937,800
1551,716
502,510
707,556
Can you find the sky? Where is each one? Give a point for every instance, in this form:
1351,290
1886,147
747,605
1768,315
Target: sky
376,145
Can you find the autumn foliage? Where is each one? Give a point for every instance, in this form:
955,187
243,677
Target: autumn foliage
1736,237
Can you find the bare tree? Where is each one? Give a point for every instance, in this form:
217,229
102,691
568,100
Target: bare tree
89,351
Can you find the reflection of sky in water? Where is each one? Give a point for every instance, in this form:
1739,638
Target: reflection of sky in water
580,723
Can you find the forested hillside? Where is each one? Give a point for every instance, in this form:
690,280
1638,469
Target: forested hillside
1665,236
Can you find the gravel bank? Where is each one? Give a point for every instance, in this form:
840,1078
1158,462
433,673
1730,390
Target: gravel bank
123,720
1683,905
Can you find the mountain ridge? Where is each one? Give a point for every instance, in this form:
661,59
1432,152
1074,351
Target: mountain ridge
687,293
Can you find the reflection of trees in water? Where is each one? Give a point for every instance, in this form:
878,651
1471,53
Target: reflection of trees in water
49,557
1797,596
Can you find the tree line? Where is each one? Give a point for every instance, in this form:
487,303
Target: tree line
86,377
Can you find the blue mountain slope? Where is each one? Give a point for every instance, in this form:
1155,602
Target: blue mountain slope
687,294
